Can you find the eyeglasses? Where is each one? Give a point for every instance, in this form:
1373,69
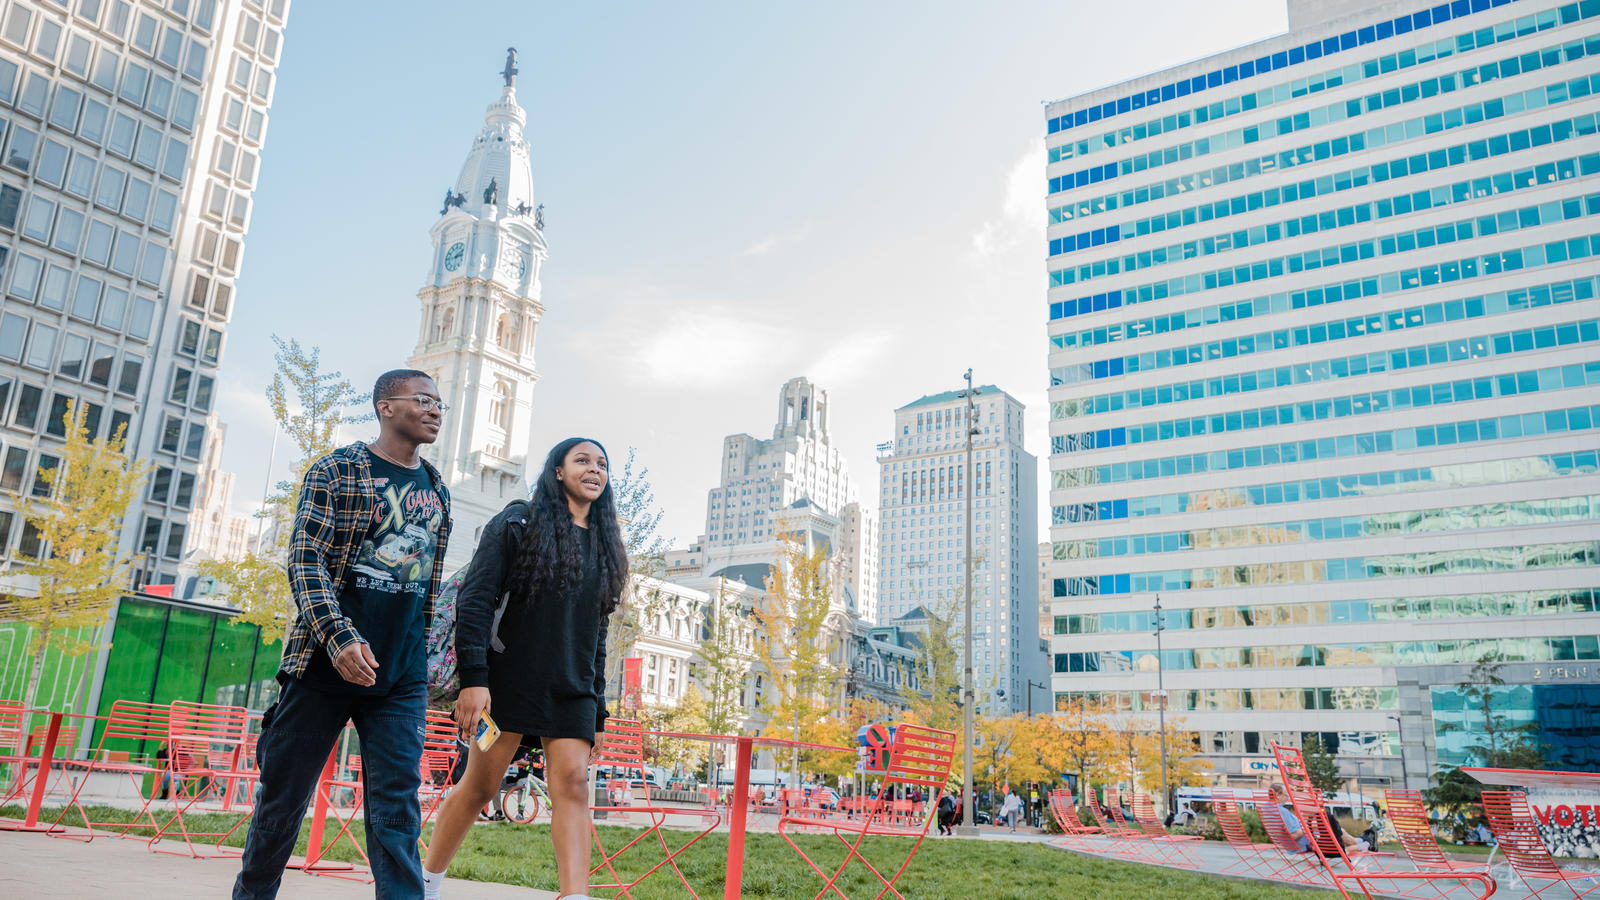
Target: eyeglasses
423,402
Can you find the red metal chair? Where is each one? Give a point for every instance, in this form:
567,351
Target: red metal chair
128,720
1074,834
1517,832
205,747
1325,843
440,751
1139,843
1168,845
27,756
1409,817
919,757
623,751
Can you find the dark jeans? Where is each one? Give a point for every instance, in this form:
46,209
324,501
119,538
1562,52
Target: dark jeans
297,735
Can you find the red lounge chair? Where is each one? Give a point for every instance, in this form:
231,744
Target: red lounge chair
1255,860
1075,834
1518,835
918,757
1168,845
1298,866
128,720
1409,817
1307,801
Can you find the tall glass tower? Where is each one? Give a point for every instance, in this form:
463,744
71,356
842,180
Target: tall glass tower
1325,377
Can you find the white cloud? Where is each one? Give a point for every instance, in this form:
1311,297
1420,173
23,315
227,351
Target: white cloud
773,241
848,359
698,346
1022,211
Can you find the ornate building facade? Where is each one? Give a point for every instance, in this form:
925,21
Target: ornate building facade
481,307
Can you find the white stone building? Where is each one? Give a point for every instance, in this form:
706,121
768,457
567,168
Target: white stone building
481,306
799,463
133,137
923,549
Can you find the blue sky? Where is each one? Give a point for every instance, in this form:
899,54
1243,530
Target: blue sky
735,194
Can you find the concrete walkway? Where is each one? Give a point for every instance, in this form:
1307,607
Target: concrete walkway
38,867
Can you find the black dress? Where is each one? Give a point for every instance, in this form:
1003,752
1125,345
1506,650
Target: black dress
549,680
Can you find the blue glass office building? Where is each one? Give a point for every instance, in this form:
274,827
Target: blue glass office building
1325,377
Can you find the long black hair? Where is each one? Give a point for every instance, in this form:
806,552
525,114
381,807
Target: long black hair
550,564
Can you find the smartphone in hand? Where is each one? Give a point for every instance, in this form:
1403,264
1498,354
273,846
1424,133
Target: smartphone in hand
488,732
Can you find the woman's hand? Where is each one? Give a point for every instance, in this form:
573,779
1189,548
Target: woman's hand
471,703
594,751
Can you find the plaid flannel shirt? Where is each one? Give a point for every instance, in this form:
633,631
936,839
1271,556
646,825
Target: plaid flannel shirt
336,506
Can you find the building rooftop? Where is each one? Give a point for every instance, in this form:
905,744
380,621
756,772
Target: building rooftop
947,396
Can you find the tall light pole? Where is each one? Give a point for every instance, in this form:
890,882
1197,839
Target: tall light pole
1402,728
1031,685
1161,707
969,816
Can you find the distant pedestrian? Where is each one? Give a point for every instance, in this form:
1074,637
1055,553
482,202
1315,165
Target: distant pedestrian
947,814
1010,808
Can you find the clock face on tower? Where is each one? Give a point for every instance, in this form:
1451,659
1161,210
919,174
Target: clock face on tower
453,256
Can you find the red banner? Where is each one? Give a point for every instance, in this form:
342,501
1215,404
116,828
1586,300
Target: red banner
632,681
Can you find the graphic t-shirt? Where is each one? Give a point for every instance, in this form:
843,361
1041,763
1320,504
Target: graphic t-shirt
386,588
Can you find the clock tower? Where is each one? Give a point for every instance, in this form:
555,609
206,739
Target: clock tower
480,310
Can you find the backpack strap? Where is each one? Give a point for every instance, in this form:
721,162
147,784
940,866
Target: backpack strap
517,513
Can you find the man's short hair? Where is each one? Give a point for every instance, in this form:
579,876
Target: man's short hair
390,381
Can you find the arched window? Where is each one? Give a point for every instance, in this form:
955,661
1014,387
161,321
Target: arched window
500,405
446,322
505,333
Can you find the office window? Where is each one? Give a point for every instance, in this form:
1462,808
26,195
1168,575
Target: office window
183,497
189,337
52,163
56,424
203,388
41,483
48,41
53,292
160,484
101,359
30,545
128,383
42,349
74,355
113,307
175,541
93,126
125,253
171,433
19,151
181,380
29,401
16,469
17,25
144,311
36,224
13,332
197,440
151,537
69,231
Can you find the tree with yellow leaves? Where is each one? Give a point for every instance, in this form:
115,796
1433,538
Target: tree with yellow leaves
1184,766
79,525
796,645
259,584
935,702
1083,740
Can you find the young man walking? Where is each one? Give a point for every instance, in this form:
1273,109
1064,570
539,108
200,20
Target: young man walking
370,533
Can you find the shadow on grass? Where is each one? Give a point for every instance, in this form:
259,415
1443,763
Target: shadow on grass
942,870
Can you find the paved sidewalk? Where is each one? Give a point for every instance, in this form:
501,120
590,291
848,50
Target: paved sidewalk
38,867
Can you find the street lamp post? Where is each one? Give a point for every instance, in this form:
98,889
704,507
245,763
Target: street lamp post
1031,685
1400,725
969,817
1161,707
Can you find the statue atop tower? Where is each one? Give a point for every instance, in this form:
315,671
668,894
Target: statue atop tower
481,307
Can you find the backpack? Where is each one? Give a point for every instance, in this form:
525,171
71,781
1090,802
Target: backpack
444,681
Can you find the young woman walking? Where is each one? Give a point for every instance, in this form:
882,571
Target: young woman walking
540,671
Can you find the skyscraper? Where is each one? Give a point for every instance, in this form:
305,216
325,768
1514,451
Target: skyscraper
133,137
480,309
1323,332
798,465
922,492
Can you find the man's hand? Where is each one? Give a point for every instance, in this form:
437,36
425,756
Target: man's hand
471,703
355,664
594,751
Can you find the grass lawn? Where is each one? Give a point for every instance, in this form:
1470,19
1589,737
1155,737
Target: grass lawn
943,870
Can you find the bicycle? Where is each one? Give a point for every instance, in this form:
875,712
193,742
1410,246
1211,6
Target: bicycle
522,800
